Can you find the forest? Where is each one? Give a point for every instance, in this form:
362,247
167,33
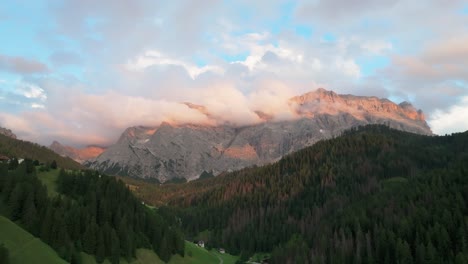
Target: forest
95,214
372,195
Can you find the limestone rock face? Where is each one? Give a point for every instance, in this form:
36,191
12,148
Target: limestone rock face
185,151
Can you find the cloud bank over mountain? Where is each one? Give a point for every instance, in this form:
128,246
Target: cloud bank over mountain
82,71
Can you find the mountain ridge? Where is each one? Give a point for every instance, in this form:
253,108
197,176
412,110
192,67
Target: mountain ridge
77,154
7,132
172,150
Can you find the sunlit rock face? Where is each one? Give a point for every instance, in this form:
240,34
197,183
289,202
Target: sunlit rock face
186,150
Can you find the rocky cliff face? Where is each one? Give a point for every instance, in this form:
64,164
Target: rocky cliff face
185,151
79,155
7,132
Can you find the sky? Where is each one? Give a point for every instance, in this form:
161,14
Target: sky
82,71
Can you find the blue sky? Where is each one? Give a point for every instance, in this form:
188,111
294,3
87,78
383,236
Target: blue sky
82,71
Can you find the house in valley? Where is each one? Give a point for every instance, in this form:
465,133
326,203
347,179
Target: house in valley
4,159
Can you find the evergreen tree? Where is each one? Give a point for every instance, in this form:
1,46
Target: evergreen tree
13,164
4,255
115,248
100,247
29,216
53,165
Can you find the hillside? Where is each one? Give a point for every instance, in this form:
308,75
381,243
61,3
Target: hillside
15,148
24,247
171,150
94,213
372,195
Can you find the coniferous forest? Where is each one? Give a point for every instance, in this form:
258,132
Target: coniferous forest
93,214
373,195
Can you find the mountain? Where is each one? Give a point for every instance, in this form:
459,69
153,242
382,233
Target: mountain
372,195
78,155
187,150
15,148
7,132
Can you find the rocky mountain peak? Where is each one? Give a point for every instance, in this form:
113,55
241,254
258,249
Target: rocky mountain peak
322,101
137,133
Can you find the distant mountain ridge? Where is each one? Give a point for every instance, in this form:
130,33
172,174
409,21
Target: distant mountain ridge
80,155
16,148
187,150
7,132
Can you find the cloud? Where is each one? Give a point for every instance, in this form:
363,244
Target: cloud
21,65
64,58
335,11
100,118
30,91
449,51
452,120
116,64
153,57
377,47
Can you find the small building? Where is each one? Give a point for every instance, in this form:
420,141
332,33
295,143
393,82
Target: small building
20,161
201,243
4,159
222,251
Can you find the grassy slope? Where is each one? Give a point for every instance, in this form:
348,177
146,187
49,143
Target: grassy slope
49,178
199,256
24,247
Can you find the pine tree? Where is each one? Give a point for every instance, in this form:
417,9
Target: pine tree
45,232
16,202
13,164
100,247
4,255
53,165
29,217
421,254
89,239
461,258
115,247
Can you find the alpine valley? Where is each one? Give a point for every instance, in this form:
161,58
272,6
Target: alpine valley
173,151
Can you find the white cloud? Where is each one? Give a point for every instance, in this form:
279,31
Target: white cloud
153,57
453,120
377,47
348,67
37,106
30,91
